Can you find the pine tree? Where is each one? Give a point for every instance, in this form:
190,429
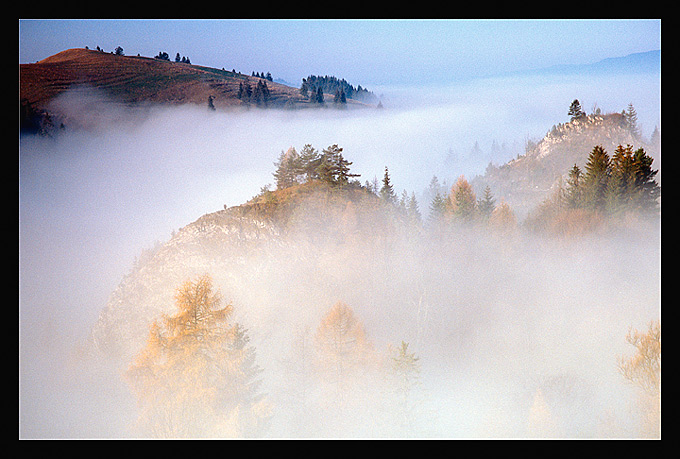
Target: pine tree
412,209
487,204
406,372
343,173
288,169
630,115
309,162
622,180
574,191
438,207
647,190
575,110
598,170
387,192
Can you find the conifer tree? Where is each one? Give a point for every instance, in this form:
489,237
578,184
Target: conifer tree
622,180
630,115
412,209
196,375
575,110
574,191
309,162
598,170
647,190
387,191
463,199
288,169
342,345
487,204
406,372
438,207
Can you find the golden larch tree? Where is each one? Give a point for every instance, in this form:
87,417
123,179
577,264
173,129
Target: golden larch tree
644,370
195,376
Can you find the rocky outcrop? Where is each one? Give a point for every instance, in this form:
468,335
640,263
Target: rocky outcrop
527,180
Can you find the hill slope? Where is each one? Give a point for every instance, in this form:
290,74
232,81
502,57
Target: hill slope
133,81
250,250
528,179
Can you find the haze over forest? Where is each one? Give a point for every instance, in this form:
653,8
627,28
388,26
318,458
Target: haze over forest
515,329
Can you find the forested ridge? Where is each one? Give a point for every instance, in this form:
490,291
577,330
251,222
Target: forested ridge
313,309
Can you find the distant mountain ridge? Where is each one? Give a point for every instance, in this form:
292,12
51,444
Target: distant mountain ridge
644,62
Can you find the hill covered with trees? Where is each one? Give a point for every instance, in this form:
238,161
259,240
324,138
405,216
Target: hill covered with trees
133,81
320,308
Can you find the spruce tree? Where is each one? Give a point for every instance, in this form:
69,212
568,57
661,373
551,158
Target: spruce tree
647,190
630,115
598,170
487,204
387,192
574,191
575,110
622,179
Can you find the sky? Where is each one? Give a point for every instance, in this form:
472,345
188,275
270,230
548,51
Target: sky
365,52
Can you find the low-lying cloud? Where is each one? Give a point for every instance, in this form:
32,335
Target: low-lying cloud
91,200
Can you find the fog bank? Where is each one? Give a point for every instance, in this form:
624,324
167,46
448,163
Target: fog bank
92,200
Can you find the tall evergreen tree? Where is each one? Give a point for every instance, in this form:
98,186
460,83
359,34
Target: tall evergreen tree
622,179
309,162
630,115
438,207
412,209
647,190
598,170
575,110
574,192
487,204
387,191
288,169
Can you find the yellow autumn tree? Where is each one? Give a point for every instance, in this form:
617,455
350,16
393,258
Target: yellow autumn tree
644,370
502,219
195,377
463,200
342,345
542,423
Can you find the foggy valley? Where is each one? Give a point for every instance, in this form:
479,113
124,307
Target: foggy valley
517,334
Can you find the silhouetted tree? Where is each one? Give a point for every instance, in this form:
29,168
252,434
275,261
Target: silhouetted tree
575,110
387,191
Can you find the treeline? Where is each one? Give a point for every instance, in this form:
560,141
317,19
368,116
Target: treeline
623,184
313,88
457,206
461,206
259,95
